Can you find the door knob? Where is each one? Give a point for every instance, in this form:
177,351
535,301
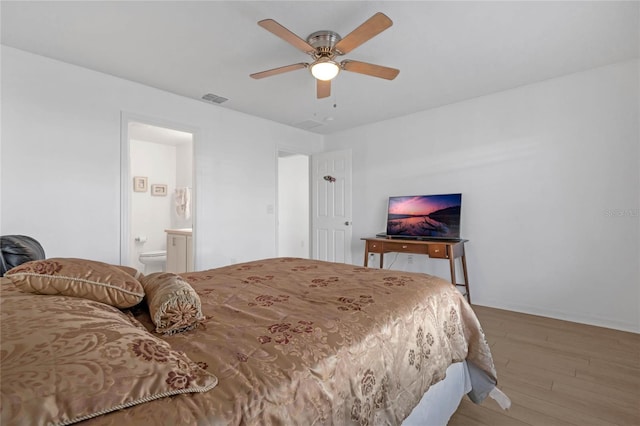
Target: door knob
347,223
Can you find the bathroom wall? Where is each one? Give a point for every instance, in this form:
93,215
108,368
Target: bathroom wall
151,215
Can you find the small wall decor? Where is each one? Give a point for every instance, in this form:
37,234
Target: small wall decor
140,184
159,190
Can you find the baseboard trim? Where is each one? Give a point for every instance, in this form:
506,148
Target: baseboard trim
564,316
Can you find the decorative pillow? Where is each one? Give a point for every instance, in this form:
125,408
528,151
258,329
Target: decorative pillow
80,278
173,304
66,359
131,271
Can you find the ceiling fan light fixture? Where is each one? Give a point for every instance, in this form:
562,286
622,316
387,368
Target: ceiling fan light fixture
324,46
325,69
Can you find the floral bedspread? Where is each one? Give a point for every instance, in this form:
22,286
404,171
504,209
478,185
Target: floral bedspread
296,341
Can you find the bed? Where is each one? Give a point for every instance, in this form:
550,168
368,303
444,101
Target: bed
274,341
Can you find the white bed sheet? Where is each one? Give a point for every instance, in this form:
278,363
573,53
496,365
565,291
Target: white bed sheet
442,399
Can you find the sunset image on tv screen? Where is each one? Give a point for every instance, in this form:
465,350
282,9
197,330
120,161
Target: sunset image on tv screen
429,216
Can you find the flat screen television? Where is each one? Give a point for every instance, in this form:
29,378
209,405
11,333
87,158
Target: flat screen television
424,216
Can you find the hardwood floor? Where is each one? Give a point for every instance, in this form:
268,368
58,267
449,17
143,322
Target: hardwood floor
557,373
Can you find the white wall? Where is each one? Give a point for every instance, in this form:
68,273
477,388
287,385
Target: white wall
293,206
550,183
61,162
548,172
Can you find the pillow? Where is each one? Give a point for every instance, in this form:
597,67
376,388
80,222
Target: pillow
66,359
80,278
131,271
173,304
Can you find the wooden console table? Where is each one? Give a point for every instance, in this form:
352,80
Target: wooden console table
451,250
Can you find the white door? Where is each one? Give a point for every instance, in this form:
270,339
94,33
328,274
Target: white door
331,206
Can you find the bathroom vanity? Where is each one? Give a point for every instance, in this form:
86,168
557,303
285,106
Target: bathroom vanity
179,250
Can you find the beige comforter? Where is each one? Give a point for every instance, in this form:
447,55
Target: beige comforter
304,342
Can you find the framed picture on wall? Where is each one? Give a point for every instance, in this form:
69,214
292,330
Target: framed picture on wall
140,184
159,190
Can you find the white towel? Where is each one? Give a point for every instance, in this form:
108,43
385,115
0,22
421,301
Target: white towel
183,202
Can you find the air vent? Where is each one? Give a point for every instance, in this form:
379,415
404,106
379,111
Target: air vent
308,124
210,97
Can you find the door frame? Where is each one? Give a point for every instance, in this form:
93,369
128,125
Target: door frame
126,179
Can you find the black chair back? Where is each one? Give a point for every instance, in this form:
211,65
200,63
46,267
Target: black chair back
18,249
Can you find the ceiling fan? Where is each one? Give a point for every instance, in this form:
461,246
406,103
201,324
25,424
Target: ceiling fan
325,46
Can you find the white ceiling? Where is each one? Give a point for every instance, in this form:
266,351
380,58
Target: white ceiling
149,133
446,51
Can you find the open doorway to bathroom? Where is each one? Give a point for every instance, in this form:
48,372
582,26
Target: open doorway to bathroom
158,197
293,205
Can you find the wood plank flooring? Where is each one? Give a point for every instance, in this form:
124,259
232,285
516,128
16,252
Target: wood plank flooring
557,373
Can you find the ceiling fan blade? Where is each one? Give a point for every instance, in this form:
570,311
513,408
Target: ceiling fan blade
323,89
369,29
279,70
277,29
370,69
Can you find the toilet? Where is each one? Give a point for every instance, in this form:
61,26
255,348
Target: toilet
153,261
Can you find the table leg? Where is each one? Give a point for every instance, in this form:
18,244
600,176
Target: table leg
366,257
466,277
452,267
381,260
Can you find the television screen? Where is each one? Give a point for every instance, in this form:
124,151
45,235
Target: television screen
424,216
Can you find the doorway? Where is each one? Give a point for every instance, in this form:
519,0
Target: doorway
293,205
157,190
314,205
